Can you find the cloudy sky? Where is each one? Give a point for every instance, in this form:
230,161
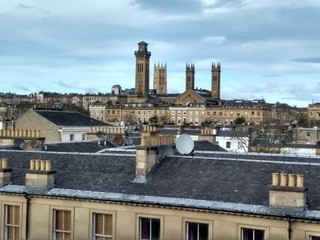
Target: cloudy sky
267,48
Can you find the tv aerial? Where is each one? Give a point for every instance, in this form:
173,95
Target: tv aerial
128,141
100,134
110,137
184,144
165,150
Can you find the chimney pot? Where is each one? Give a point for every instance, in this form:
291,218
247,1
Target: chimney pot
37,165
300,180
42,165
48,165
275,179
32,164
292,180
283,180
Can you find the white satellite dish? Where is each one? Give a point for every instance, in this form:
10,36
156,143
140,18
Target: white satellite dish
184,144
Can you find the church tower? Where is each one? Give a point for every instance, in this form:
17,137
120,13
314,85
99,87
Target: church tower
215,80
160,78
142,68
190,76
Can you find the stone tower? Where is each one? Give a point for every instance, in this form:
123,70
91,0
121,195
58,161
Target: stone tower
142,68
160,78
215,80
190,76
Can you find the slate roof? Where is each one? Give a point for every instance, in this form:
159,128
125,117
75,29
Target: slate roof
224,178
244,102
205,145
87,146
224,133
64,118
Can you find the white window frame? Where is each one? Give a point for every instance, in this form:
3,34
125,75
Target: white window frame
266,233
188,220
54,231
138,227
5,224
95,235
310,235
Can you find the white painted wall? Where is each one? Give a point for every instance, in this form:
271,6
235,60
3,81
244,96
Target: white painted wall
76,131
299,151
237,144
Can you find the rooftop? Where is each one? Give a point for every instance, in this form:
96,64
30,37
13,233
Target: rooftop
206,176
64,118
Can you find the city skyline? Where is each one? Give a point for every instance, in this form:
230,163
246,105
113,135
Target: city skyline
267,49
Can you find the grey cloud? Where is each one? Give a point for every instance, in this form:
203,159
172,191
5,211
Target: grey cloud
63,84
307,60
23,6
169,6
21,87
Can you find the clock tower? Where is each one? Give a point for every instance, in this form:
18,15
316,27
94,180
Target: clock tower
142,68
215,80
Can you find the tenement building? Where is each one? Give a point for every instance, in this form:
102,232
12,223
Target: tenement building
144,195
193,106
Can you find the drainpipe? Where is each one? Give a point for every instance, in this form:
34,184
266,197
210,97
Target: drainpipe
27,197
289,227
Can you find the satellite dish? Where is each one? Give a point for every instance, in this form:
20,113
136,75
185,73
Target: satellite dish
100,134
165,150
128,141
184,144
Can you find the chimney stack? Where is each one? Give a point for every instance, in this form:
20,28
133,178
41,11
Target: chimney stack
146,154
5,172
208,134
287,190
40,174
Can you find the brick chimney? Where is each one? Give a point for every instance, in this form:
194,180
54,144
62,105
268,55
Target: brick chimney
287,190
40,174
5,172
208,134
146,154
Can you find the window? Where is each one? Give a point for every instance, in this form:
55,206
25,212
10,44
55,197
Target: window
71,137
252,234
149,228
61,224
102,226
314,237
83,136
308,134
197,231
12,222
228,144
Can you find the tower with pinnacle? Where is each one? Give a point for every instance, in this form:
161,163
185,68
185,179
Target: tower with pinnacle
160,78
190,76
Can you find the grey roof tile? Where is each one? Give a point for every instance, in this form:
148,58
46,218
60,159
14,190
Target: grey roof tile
64,118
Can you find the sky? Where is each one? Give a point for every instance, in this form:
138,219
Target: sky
268,49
